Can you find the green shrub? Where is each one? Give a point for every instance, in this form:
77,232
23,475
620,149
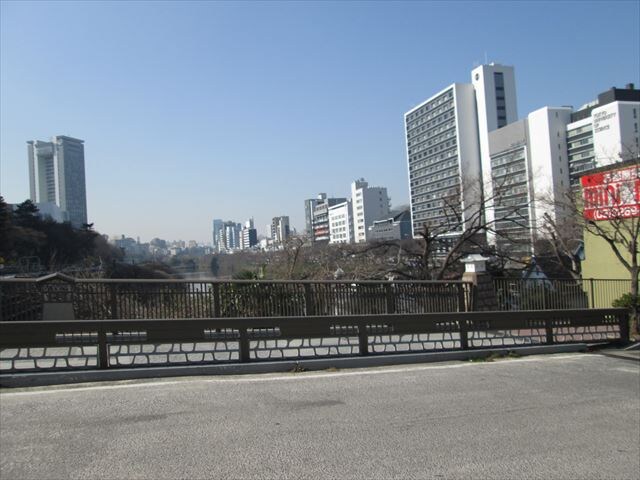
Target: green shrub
625,301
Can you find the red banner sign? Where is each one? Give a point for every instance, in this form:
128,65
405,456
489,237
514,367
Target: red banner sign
613,194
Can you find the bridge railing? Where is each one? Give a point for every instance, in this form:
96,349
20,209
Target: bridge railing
549,294
77,344
27,299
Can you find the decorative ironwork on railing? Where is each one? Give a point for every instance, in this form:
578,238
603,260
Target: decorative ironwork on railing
49,297
76,344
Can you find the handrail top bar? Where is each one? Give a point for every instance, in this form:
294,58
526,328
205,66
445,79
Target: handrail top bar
64,277
212,281
563,279
540,314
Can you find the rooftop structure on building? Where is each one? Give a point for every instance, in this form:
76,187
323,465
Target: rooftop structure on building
397,227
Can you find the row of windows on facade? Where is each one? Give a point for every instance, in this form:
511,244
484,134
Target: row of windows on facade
445,183
579,143
507,159
425,207
582,164
435,159
451,172
437,153
585,129
447,128
515,168
431,140
505,181
430,121
512,203
513,190
427,189
431,124
434,167
445,97
432,196
338,223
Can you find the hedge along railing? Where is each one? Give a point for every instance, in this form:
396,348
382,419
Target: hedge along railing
546,294
247,338
26,299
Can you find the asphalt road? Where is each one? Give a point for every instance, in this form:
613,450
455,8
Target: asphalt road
563,416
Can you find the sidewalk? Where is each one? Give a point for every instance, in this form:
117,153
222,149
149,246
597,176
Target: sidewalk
632,352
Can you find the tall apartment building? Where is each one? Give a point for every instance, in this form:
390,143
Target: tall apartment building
57,176
320,220
280,229
369,204
248,235
529,174
604,131
217,226
309,206
229,237
341,222
444,157
494,86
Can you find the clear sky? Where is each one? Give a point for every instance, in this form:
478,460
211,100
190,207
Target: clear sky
194,111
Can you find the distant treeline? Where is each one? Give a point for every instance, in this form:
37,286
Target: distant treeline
27,237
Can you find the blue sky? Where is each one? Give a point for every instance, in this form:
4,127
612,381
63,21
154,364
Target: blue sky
201,110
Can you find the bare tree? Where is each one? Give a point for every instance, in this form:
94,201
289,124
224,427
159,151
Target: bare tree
607,207
562,242
462,229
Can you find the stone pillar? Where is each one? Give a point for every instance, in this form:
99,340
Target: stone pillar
484,295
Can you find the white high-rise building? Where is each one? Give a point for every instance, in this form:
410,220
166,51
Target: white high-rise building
369,204
57,176
604,131
495,91
530,174
280,229
444,157
217,226
248,235
341,223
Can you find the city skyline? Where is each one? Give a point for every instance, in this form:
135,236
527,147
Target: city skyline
308,99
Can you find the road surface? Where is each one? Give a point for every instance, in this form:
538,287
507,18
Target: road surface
557,416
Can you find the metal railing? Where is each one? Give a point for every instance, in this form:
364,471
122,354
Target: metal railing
25,299
49,345
545,294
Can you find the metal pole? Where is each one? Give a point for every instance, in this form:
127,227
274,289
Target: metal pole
244,345
216,300
391,301
363,339
464,334
103,350
308,300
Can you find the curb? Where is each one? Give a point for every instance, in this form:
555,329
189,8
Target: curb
36,379
622,355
